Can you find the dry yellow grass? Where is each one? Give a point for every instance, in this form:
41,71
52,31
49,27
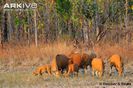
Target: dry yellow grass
28,56
31,55
32,51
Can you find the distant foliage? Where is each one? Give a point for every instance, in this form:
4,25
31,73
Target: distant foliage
75,20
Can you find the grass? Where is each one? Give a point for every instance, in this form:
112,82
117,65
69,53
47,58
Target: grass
27,80
18,62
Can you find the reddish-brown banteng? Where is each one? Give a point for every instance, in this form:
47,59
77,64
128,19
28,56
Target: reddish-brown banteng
82,60
72,69
115,60
54,69
60,63
45,68
76,58
87,59
97,67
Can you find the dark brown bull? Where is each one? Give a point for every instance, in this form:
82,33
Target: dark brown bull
59,64
62,62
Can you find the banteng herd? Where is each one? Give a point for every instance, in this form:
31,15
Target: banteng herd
67,65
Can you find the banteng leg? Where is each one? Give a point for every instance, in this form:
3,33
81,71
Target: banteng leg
110,69
85,70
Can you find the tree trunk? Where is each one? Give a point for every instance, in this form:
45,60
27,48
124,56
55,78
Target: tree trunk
28,30
0,36
85,31
126,14
69,28
46,22
95,18
9,26
56,25
5,30
1,29
35,27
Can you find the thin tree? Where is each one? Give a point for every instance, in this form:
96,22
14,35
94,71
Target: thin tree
28,30
9,26
35,27
126,13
